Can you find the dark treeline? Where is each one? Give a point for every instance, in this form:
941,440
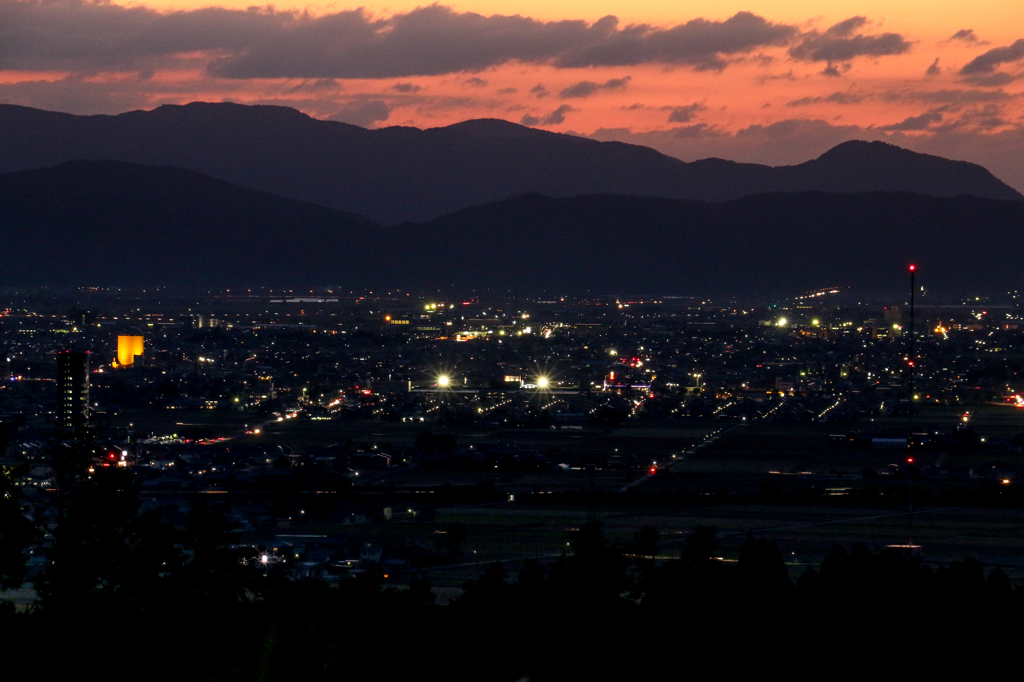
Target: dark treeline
152,600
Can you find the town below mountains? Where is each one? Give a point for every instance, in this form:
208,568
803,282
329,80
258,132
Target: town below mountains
226,194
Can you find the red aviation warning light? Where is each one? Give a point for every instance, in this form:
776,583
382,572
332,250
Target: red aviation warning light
912,267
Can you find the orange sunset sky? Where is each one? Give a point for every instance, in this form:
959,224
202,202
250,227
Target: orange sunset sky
766,81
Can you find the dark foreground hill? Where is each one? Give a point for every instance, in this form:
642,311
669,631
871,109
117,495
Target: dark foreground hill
107,223
397,173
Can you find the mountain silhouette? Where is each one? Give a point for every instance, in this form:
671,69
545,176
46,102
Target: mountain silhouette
405,174
112,223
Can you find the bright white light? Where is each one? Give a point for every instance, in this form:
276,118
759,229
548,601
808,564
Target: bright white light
542,382
442,380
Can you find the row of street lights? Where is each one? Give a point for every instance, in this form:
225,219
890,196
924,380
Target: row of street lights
444,381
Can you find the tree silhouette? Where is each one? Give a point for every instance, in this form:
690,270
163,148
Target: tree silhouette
217,574
104,553
17,531
594,575
454,538
762,572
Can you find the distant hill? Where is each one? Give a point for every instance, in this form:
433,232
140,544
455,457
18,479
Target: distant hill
406,174
772,244
109,223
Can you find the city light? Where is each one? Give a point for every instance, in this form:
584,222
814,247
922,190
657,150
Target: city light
542,382
443,381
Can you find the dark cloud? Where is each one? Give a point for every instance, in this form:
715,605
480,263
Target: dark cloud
843,42
475,82
987,63
700,43
915,123
948,96
788,76
556,117
508,91
966,35
846,28
318,85
362,113
634,107
982,119
934,69
406,87
698,130
49,35
87,36
834,98
539,90
832,71
992,80
685,114
588,88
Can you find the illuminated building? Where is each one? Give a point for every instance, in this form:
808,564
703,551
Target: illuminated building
73,387
127,348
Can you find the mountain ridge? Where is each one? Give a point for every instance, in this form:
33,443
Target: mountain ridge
397,174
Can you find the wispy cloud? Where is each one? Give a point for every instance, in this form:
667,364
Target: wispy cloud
834,98
588,88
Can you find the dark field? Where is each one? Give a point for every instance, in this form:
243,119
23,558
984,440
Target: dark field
714,473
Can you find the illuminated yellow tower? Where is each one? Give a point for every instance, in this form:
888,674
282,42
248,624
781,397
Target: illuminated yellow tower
127,348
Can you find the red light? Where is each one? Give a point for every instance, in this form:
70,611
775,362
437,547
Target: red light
653,469
913,267
910,460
